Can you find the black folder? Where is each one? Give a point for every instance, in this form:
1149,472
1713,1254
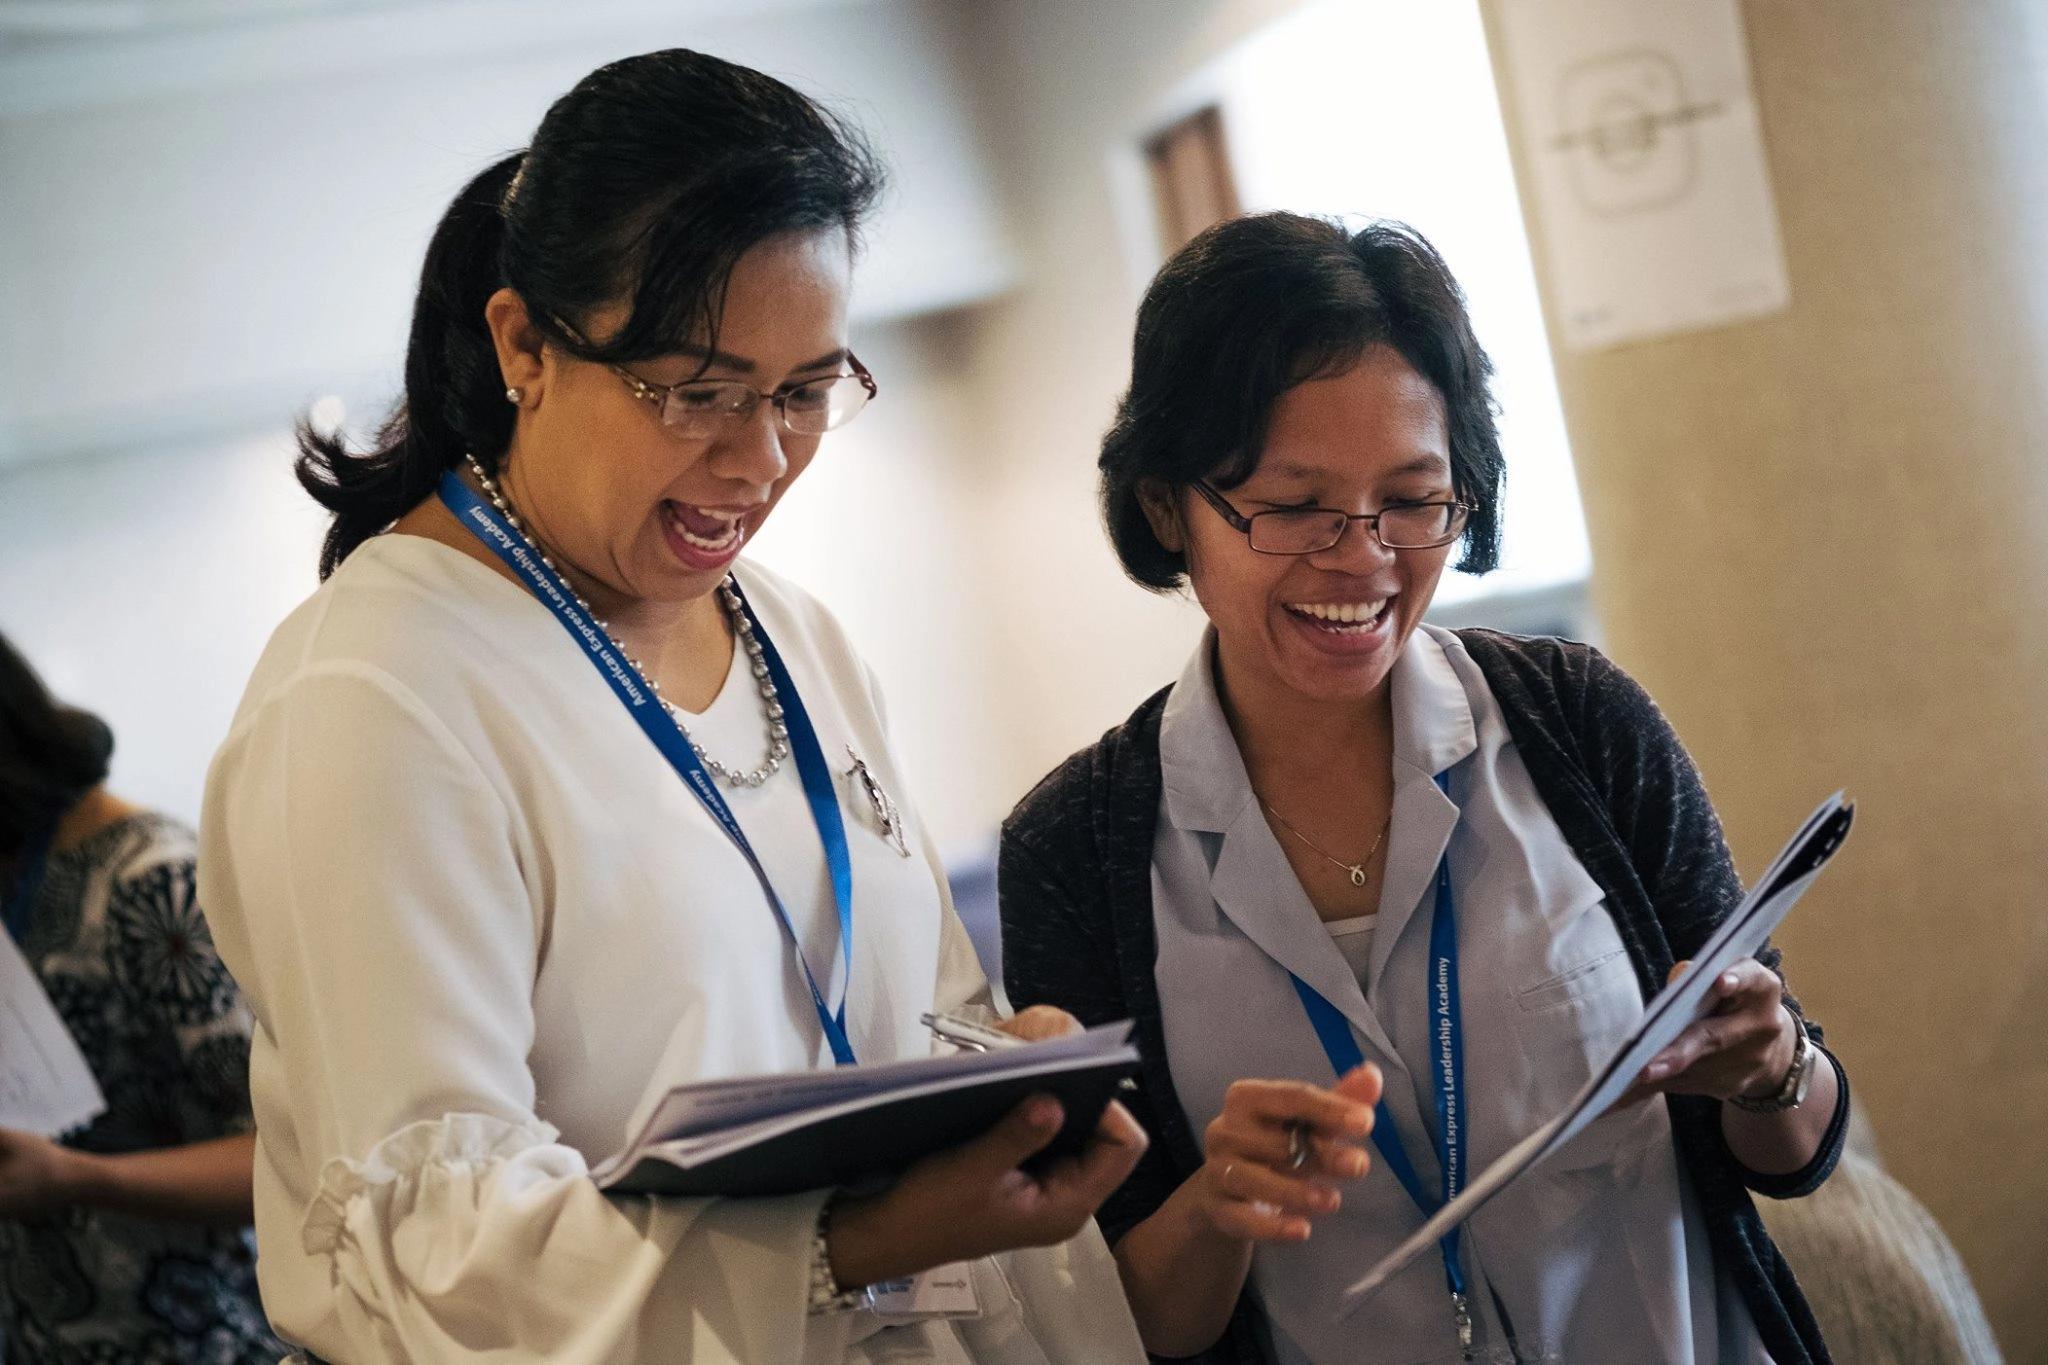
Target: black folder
873,1126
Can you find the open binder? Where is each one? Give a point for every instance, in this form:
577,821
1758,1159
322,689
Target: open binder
778,1134
1681,1002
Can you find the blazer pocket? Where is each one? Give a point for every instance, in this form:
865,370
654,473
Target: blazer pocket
1567,985
1568,1023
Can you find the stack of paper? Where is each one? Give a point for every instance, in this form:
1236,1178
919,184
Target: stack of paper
776,1134
1680,1003
46,1088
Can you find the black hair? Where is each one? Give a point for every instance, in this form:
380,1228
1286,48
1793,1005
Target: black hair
647,181
1256,305
51,755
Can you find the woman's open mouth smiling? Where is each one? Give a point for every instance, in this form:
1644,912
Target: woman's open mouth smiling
1342,618
703,537
1353,627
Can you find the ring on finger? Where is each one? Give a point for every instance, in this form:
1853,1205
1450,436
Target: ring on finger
1297,1146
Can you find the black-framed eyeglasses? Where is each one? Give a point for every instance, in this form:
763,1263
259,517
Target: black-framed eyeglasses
699,409
1307,530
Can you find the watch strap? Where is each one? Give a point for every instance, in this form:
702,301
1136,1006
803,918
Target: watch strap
1798,1080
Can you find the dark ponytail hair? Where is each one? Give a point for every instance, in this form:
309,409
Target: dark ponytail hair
51,755
647,182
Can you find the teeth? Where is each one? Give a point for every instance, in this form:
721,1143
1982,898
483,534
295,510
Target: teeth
723,542
1341,613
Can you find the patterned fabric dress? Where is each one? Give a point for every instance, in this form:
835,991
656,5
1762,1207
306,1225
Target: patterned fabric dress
118,940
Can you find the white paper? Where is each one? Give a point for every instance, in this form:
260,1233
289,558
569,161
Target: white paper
1647,167
1742,934
46,1088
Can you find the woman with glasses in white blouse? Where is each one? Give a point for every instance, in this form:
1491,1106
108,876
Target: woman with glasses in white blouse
483,894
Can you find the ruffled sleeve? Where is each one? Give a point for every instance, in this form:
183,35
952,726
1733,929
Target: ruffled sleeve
434,1168
469,1235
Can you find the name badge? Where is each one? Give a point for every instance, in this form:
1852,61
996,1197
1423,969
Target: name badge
945,1291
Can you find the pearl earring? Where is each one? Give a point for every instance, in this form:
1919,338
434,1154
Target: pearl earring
515,396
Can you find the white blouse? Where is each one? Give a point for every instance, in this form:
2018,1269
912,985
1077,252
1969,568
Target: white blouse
479,919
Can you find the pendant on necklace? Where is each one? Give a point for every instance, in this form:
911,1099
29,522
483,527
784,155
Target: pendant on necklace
1357,871
886,814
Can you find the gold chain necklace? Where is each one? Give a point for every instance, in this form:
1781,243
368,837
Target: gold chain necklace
1357,869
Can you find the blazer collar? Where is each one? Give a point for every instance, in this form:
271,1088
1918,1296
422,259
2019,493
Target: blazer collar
1200,768
1207,790
1433,725
1203,772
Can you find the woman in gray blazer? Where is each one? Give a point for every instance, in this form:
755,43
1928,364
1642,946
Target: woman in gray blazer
1370,886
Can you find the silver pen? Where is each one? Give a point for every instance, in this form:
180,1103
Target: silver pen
975,1037
964,1034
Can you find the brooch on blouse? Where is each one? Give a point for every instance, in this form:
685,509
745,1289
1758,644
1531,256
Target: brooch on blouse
887,816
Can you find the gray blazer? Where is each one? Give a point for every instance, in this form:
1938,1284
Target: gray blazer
1076,876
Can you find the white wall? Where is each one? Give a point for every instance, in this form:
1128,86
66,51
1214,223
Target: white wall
189,255
143,586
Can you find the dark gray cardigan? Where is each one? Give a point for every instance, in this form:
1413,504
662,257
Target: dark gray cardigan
1075,880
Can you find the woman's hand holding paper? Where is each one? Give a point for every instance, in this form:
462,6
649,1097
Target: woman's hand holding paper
1743,1046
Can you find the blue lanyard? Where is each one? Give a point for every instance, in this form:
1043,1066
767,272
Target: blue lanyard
21,902
1447,1028
632,690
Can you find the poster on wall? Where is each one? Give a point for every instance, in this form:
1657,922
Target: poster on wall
1646,164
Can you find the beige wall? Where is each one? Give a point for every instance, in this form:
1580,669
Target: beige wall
1068,86
1821,540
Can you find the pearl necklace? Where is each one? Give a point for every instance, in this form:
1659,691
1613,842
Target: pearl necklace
728,594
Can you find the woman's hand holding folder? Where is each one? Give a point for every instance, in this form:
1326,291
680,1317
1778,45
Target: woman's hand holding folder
973,1200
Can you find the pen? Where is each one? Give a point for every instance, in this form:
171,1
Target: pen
974,1037
961,1033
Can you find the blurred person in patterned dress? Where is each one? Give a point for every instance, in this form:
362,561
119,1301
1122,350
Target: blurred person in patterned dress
127,1239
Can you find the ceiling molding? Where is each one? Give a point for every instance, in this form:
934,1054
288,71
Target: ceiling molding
58,55
69,19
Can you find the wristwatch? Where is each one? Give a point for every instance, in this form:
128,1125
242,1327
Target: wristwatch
1797,1082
